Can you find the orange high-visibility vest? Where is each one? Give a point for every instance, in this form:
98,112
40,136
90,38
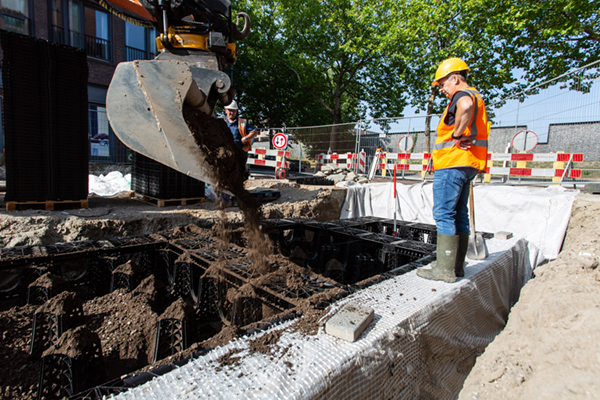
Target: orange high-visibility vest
242,129
447,155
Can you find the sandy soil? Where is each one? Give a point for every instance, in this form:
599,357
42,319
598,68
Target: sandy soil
549,349
123,216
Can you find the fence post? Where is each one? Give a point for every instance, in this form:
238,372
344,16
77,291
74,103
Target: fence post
559,165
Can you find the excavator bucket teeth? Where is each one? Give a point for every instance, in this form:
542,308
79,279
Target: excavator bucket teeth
145,108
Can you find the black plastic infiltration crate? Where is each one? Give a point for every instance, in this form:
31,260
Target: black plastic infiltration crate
87,265
343,252
46,138
340,256
171,337
153,179
63,375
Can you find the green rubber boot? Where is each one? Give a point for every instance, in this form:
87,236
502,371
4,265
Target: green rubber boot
463,244
443,268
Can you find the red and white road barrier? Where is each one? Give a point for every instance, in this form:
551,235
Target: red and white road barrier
362,162
268,163
535,157
557,174
348,160
404,167
538,172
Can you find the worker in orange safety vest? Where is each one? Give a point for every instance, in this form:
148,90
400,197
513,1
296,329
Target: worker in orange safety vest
459,153
243,132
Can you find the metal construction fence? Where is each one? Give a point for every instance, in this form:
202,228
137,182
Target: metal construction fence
561,115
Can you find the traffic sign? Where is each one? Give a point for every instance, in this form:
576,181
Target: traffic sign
525,140
280,141
405,143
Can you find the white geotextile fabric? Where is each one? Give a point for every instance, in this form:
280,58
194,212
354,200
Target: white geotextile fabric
109,185
540,215
422,343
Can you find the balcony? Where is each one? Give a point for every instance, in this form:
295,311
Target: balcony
13,22
57,34
131,54
94,46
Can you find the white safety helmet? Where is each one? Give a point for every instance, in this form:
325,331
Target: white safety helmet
232,106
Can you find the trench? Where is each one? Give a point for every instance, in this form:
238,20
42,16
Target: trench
186,291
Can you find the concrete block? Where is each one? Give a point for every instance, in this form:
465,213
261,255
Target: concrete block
503,235
350,322
593,188
337,177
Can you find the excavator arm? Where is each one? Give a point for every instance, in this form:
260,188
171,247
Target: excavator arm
146,98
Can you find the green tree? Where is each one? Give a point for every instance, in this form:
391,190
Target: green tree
317,58
423,33
267,91
495,37
551,36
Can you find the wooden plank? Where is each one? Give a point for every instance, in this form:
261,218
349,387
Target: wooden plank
48,204
171,202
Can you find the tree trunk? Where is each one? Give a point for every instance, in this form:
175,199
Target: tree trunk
430,102
337,117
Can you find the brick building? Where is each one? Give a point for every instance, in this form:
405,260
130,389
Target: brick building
107,40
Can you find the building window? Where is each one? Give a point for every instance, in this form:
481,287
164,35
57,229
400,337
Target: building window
140,43
15,16
57,22
99,133
80,25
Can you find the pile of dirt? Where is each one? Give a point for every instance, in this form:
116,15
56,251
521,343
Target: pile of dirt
550,347
124,216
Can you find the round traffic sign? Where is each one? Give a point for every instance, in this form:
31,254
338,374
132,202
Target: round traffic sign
525,140
280,141
405,143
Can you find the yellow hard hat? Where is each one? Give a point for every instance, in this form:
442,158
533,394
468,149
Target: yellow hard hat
449,66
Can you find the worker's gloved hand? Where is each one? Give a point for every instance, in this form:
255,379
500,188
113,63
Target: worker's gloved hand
463,143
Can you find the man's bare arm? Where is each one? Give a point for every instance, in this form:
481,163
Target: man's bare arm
464,114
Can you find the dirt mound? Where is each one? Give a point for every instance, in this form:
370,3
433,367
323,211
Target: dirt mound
550,348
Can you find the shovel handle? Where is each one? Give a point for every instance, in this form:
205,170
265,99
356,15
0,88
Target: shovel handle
471,208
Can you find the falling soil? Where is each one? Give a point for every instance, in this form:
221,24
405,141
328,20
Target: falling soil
216,141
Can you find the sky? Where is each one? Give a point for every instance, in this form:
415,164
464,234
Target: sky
537,112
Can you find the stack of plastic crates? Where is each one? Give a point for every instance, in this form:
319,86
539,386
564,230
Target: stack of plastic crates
153,179
45,120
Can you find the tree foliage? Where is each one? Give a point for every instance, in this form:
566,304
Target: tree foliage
315,62
334,61
550,37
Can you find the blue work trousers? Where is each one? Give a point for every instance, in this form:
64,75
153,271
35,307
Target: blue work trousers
450,199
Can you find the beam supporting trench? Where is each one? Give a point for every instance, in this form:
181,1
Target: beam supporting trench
425,336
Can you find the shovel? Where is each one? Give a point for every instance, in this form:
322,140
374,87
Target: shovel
477,250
